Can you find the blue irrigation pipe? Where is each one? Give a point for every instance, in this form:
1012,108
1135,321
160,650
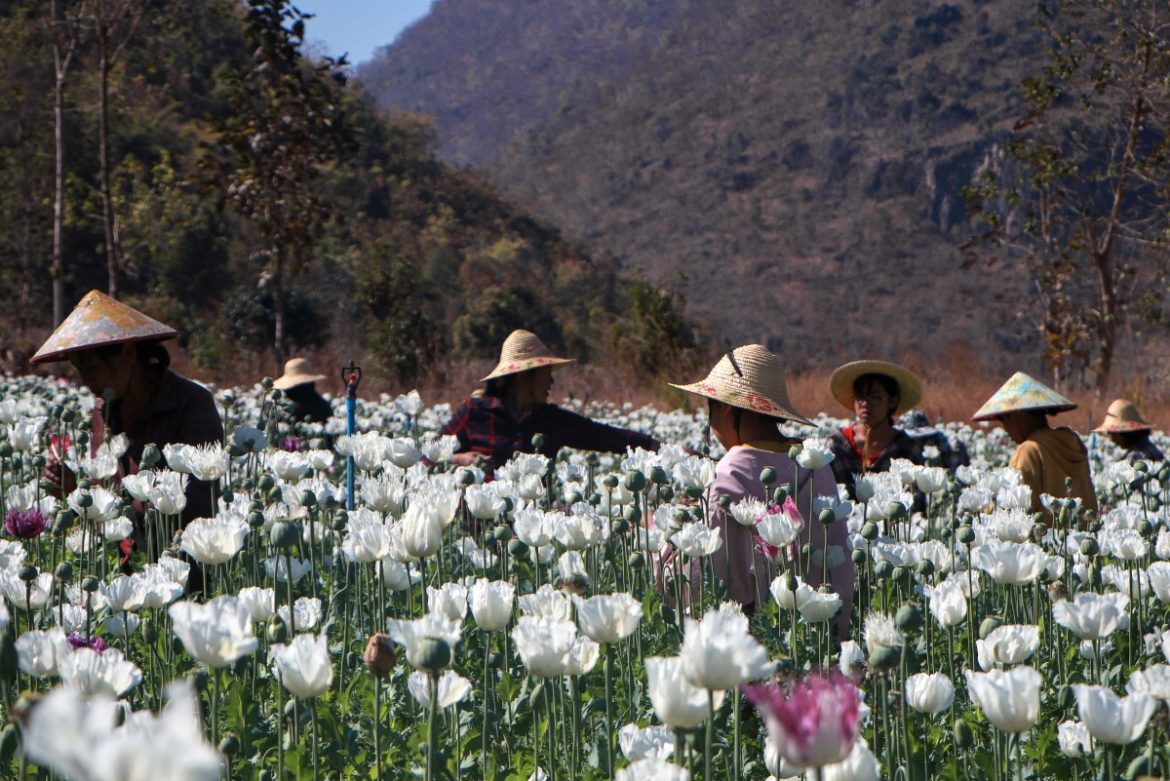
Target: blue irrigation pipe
351,375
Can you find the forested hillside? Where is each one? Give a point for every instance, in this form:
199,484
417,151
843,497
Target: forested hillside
799,162
380,246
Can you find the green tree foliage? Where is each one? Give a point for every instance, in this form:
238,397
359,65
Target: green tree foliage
1081,197
657,340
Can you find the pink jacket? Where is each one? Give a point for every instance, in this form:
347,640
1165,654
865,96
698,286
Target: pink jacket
748,574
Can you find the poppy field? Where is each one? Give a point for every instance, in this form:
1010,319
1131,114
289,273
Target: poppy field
528,626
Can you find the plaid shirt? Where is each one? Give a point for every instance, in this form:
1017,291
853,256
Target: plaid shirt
483,425
847,461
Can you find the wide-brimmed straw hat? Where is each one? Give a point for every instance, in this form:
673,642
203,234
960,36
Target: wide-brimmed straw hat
751,378
1022,392
523,351
296,372
1121,417
909,386
100,321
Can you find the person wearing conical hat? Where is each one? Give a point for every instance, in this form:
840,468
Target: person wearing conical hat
1049,459
118,354
299,385
747,400
505,417
876,392
1126,428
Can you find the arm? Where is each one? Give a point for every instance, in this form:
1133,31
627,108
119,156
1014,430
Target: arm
734,563
563,428
1028,461
200,424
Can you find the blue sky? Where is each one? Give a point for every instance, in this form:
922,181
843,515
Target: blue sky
358,26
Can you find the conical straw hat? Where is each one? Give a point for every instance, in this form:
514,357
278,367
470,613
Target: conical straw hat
751,378
909,386
523,351
100,321
1022,392
1122,416
296,372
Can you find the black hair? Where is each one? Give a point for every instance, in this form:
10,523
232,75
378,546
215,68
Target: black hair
885,381
498,386
1131,439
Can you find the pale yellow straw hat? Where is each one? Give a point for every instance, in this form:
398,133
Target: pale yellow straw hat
523,351
100,321
909,386
296,372
1122,416
751,378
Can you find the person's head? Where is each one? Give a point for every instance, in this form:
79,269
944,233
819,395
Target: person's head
876,397
1128,440
118,367
524,370
524,390
1019,424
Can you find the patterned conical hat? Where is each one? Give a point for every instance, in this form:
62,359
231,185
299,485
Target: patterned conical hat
100,321
1122,416
1022,392
909,386
751,378
523,351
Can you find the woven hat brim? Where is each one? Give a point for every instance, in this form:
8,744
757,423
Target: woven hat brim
753,402
1122,427
909,386
985,413
527,364
286,381
63,353
100,321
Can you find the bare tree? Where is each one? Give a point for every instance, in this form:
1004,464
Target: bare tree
65,31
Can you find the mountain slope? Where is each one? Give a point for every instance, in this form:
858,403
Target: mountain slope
800,163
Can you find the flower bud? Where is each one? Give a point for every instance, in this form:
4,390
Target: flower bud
1139,768
229,746
309,499
151,457
633,514
768,475
27,573
635,481
90,584
896,510
869,531
885,657
538,441
782,493
965,535
84,501
284,534
504,533
909,617
619,526
989,625
1065,697
658,475
694,491
898,573
64,572
858,556
925,568
277,630
1089,547
149,631
827,516
379,656
882,570
964,735
518,548
665,493
267,483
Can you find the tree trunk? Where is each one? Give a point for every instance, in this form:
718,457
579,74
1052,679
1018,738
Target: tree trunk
57,265
112,268
279,341
1107,330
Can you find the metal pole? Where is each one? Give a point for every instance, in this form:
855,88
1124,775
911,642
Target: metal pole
351,375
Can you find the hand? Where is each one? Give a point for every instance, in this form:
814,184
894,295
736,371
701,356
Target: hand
59,479
467,458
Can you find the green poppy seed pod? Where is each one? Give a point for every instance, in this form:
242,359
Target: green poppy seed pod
9,658
1094,573
666,612
869,531
339,523
858,556
1065,697
964,735
284,534
518,548
229,746
636,560
256,519
433,654
84,501
1089,547
267,483
82,440
666,493
633,514
266,383
277,394
235,451
464,477
27,573
63,521
1140,466
827,516
619,526
64,572
896,510
610,481
9,741
176,645
1145,528
882,570
635,481
538,441
965,535
989,625
909,617
768,475
275,495
781,494
694,492
276,631
90,584
724,502
538,699
925,568
897,573
784,665
149,631
790,581
885,657
5,450
200,679
1064,516
151,456
572,497
504,533
794,451
594,499
308,499
227,497
658,476
1164,473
